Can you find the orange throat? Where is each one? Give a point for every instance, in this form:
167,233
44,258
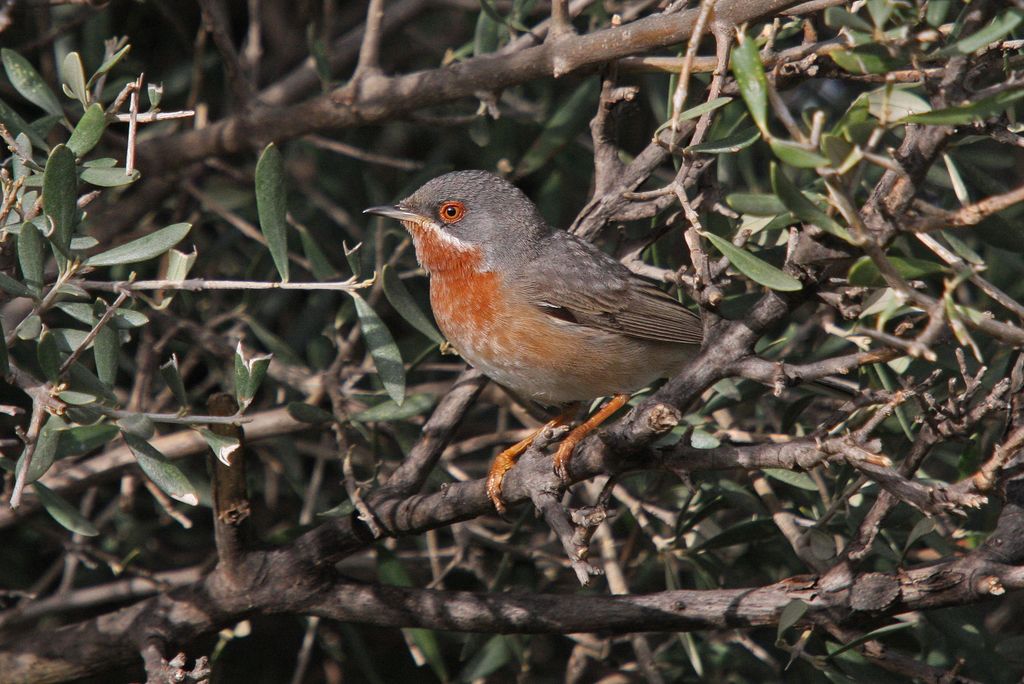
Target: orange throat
465,298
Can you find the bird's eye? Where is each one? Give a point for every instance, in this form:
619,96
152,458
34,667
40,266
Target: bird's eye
451,212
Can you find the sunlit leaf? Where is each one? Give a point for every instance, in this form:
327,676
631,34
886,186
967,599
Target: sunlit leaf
73,74
222,446
731,143
755,204
892,104
249,374
746,66
756,269
88,131
105,177
967,113
142,249
994,31
389,410
164,474
27,81
796,154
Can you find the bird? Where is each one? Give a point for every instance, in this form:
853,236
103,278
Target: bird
543,313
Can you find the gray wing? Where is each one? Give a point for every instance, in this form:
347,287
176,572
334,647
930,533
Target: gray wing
575,281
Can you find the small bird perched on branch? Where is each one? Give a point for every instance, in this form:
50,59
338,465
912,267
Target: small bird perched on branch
538,310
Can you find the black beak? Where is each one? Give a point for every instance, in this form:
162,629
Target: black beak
394,212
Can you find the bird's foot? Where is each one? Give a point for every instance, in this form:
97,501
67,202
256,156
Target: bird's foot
563,456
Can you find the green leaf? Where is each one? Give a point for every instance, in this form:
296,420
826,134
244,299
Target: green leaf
161,471
995,31
30,256
306,413
30,328
142,249
27,81
873,634
83,439
18,126
935,13
48,356
487,34
249,374
837,17
390,571
792,477
105,350
401,299
730,143
864,273
755,204
389,410
746,532
223,446
63,512
60,196
560,128
746,66
791,615
803,208
796,154
88,131
111,62
272,206
892,104
491,657
13,287
703,108
352,257
323,269
73,74
968,113
5,361
866,59
138,424
924,526
172,378
382,348
46,448
122,320
105,177
756,269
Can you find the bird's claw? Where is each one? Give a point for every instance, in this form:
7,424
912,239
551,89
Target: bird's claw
494,479
561,462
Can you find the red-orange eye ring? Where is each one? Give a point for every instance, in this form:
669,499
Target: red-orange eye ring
451,212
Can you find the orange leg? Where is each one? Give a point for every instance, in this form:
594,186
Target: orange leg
507,458
565,449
